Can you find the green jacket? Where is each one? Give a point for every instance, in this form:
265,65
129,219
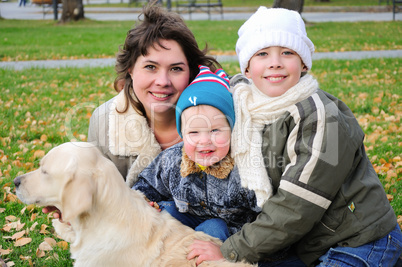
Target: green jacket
326,192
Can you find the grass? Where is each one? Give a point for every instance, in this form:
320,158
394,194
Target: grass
45,39
42,108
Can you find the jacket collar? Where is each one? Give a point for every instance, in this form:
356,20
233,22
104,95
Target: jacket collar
219,170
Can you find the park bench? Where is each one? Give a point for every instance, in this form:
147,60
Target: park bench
47,5
203,5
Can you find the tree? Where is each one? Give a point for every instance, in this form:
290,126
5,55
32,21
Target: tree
296,5
72,10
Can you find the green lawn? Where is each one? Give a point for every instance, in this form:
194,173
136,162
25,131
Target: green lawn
45,39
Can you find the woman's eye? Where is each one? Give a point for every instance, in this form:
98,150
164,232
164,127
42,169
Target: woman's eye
177,69
261,54
150,67
215,130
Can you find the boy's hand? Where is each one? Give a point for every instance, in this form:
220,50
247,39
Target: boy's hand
154,205
205,251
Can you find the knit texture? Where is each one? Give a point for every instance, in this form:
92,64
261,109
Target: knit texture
254,110
273,27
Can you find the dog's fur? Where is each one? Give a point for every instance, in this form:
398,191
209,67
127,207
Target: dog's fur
109,224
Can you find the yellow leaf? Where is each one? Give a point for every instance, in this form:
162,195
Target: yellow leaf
43,229
43,137
63,245
390,197
384,139
377,100
11,198
22,241
396,159
39,154
33,216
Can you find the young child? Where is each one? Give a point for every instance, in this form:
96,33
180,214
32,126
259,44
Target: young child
327,203
196,180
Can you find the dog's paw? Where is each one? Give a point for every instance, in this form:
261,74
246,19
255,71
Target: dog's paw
64,230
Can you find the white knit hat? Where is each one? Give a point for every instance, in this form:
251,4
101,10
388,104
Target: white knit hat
273,27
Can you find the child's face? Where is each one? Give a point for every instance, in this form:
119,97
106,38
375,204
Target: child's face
206,134
275,69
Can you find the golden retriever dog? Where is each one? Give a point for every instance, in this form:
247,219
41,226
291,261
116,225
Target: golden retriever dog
106,223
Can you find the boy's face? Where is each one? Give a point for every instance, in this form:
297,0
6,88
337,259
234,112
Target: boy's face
206,134
275,69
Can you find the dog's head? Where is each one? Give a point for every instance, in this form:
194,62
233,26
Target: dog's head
63,180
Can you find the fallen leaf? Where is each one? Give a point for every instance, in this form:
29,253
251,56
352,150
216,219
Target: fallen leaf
18,235
11,218
43,229
40,253
11,197
33,226
22,241
19,225
50,241
5,251
44,246
23,210
63,245
39,154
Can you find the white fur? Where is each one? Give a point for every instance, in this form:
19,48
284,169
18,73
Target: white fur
109,224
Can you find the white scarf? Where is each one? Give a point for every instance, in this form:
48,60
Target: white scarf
254,110
130,136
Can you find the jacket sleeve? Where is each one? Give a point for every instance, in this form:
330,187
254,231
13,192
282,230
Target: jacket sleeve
320,147
153,181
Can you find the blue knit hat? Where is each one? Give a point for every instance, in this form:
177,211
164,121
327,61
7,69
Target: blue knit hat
210,89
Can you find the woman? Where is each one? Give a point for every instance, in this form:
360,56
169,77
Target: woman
159,59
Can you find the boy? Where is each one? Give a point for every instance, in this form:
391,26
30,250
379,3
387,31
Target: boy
328,203
196,181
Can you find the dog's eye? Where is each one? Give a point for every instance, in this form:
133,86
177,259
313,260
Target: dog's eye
44,171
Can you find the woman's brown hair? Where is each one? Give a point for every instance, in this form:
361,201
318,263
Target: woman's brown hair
156,25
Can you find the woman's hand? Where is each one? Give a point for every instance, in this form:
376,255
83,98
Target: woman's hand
205,251
56,214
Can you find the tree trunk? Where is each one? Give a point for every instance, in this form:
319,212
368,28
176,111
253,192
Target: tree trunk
72,10
296,5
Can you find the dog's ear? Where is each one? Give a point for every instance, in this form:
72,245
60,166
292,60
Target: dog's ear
77,195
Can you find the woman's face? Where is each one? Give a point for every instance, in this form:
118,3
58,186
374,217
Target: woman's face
160,77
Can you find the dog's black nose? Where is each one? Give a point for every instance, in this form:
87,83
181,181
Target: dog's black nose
17,181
